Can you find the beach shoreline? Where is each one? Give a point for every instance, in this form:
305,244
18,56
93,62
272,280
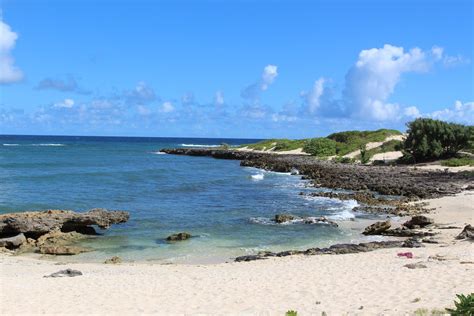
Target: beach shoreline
375,282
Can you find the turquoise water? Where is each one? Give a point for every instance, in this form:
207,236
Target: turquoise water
226,207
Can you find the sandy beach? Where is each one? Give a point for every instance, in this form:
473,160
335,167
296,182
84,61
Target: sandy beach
374,283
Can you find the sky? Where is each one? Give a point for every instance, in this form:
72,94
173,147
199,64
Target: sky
241,69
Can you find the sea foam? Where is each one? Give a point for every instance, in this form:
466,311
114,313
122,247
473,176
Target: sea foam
199,145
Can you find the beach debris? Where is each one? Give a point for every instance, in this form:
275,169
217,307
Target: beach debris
13,242
416,300
417,265
418,221
35,224
467,233
377,228
283,218
62,250
179,236
113,260
64,273
407,255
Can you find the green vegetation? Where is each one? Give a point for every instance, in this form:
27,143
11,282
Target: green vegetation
344,160
321,147
426,312
350,141
277,144
465,306
291,313
430,139
364,157
458,162
391,145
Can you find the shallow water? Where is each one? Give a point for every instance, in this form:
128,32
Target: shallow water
227,208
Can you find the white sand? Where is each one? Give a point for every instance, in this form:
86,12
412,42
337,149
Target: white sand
337,284
390,155
444,168
373,145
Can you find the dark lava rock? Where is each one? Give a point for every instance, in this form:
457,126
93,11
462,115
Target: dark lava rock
179,237
13,242
377,228
333,250
412,243
405,232
415,266
418,221
467,233
64,273
39,223
283,218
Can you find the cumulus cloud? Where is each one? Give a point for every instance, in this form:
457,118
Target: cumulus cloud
313,97
459,112
371,81
66,103
253,91
411,112
9,73
167,107
448,60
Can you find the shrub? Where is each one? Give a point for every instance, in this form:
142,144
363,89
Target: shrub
465,306
320,147
430,139
364,156
291,313
458,162
352,140
344,160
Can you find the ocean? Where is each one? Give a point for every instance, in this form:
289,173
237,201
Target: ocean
227,208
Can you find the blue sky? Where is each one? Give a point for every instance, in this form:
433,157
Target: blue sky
232,68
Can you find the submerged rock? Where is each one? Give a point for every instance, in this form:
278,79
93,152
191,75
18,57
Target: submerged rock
64,273
62,250
179,236
418,221
377,228
467,233
13,242
39,223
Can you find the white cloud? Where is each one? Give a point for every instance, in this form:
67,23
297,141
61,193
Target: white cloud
143,110
142,93
167,107
219,98
270,72
437,52
9,73
313,97
460,112
277,117
412,112
371,81
65,104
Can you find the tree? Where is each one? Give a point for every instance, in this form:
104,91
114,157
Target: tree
322,147
430,139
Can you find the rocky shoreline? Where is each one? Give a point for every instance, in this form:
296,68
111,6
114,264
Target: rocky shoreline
389,190
402,181
54,232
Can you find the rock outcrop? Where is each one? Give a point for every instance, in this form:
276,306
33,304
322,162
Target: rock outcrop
377,228
283,218
64,273
179,236
418,221
332,250
13,242
35,224
467,233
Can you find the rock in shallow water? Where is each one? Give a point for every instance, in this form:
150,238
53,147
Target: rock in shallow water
179,236
113,260
40,223
62,250
283,218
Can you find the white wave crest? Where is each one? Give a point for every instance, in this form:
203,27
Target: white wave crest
158,153
48,145
257,177
199,145
11,144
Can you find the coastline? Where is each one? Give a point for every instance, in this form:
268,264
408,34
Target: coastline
336,284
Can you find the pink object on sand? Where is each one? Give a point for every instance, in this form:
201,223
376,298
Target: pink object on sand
409,255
